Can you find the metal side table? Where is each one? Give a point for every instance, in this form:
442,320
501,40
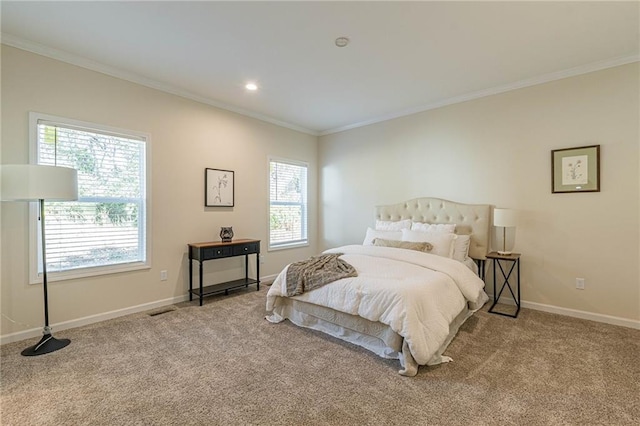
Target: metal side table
498,260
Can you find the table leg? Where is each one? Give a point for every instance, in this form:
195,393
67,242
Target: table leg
258,271
246,270
201,290
518,262
190,279
495,293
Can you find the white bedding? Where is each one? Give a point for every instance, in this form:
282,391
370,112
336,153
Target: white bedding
416,294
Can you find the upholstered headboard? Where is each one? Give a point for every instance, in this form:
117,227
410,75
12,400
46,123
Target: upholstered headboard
471,219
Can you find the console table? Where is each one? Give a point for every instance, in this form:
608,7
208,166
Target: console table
219,250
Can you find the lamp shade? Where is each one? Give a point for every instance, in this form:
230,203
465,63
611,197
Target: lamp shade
505,218
28,182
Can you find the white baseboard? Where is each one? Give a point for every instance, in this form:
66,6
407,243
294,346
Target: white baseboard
607,319
267,280
92,319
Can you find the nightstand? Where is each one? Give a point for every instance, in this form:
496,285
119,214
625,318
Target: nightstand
511,261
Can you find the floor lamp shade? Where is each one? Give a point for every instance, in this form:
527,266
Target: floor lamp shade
27,182
505,218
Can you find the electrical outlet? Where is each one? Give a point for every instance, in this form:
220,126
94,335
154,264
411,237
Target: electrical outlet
580,283
163,275
262,259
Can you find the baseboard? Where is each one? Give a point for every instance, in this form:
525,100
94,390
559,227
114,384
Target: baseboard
268,280
92,319
607,319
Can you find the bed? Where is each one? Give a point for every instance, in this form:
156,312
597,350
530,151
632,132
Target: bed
404,304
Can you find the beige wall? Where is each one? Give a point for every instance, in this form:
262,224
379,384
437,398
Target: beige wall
493,150
186,137
496,150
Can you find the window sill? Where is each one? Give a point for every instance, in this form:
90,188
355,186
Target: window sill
90,272
288,246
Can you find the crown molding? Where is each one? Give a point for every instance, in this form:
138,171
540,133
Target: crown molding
60,55
19,43
546,78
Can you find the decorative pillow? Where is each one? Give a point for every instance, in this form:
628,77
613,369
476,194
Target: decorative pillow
433,227
461,247
380,242
388,225
442,241
387,235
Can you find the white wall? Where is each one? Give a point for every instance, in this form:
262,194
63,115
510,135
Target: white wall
497,150
186,137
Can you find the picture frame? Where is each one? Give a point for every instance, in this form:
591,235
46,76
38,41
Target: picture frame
219,188
575,169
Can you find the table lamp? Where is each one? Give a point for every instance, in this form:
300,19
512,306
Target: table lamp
505,218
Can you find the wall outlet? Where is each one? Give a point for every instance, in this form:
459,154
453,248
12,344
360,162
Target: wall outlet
580,283
262,259
163,275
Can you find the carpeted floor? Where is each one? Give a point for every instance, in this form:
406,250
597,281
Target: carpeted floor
223,364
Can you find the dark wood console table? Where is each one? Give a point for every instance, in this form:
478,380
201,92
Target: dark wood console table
219,250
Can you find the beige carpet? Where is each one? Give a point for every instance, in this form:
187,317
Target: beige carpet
223,364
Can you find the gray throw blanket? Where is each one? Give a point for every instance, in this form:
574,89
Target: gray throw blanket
317,271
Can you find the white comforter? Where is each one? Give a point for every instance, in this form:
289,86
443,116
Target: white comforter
416,294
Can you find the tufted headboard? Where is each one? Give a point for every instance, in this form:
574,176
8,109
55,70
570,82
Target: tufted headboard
471,219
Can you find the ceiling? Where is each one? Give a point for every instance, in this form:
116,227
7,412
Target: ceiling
403,57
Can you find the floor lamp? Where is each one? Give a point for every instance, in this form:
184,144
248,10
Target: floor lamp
26,182
505,218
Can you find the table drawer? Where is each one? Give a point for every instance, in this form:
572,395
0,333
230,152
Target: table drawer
216,252
246,248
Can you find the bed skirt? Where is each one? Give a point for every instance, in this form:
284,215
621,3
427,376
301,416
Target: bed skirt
373,336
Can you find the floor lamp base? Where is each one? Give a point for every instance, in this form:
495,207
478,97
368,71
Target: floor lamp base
47,344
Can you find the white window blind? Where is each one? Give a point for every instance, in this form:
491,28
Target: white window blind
287,203
106,226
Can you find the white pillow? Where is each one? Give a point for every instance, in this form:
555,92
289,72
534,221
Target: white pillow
385,235
389,225
433,227
442,242
461,247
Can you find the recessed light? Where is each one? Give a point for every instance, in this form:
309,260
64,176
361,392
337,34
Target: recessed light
251,86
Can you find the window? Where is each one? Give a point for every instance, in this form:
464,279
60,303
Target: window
287,203
105,230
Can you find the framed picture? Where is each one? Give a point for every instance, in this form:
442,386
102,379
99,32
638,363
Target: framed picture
218,188
575,169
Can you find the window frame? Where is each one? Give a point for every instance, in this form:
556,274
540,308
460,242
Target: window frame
305,205
35,277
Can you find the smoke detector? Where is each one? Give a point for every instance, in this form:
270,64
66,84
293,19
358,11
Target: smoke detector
342,41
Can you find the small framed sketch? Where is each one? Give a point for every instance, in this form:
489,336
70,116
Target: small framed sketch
575,169
218,188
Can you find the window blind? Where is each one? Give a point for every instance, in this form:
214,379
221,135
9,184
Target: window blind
106,225
287,203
